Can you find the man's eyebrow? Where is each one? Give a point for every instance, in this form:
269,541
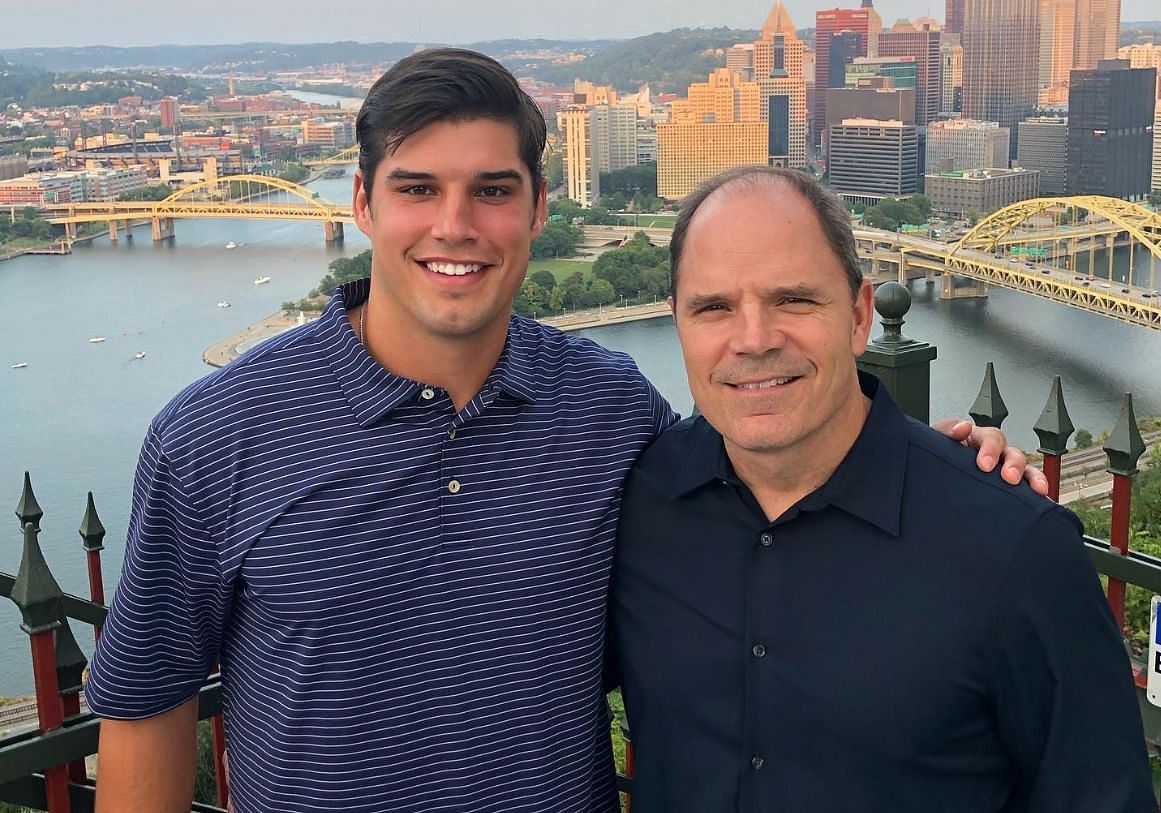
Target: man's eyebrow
409,175
500,175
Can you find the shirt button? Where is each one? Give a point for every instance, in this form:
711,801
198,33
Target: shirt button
452,435
756,763
759,651
454,486
427,394
766,539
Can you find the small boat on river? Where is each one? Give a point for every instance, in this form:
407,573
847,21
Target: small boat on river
261,280
223,304
139,355
20,365
96,340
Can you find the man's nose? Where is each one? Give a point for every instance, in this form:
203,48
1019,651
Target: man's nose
757,330
454,221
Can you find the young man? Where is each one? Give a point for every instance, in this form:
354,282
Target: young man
393,527
821,605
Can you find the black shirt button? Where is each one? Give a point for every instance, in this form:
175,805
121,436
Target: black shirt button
759,651
756,763
766,539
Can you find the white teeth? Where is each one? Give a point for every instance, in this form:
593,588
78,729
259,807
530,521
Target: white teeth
765,385
454,269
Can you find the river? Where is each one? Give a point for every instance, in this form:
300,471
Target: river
75,416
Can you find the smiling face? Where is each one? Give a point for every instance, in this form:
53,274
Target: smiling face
767,324
451,218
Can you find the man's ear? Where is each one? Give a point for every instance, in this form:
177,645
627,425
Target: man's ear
361,204
540,210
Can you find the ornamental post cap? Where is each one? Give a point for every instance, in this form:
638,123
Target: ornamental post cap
892,301
92,531
27,508
35,590
1054,426
1125,444
989,408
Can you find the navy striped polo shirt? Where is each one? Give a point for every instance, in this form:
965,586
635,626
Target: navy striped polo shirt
408,603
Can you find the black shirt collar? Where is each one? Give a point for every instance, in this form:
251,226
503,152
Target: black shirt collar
373,391
868,483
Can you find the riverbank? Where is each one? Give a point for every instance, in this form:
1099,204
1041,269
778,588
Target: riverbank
44,248
223,352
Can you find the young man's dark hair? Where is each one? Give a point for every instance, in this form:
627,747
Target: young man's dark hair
445,84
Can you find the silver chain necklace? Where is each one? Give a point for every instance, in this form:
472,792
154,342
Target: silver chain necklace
362,323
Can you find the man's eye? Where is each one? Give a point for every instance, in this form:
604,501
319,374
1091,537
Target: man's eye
493,192
711,306
416,190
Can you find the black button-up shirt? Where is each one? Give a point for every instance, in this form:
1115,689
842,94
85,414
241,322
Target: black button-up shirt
915,635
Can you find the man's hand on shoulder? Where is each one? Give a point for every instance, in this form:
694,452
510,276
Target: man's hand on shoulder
991,449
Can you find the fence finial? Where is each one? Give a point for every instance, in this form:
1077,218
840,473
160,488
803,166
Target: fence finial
28,509
35,590
1054,426
91,530
989,408
1125,444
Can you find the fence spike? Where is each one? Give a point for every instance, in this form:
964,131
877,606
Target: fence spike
35,590
28,509
989,408
92,531
1054,426
1125,444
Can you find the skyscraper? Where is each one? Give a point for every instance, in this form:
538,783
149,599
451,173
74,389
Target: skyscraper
597,138
872,159
860,21
1095,38
923,44
950,74
1044,147
1110,130
778,73
717,127
953,17
1057,37
1001,55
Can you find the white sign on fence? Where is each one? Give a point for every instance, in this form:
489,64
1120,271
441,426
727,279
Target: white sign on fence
1153,687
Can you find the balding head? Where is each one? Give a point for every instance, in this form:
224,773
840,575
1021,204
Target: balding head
833,218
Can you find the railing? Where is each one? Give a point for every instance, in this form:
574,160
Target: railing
44,769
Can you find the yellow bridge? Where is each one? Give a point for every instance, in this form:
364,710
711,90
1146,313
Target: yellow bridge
1083,251
1099,254
348,156
236,197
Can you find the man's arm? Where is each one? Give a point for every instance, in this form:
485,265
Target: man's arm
1065,706
149,764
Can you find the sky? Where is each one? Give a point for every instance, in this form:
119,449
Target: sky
30,23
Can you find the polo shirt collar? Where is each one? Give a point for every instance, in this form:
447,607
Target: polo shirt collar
868,483
373,391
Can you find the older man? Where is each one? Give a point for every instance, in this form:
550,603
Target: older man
821,605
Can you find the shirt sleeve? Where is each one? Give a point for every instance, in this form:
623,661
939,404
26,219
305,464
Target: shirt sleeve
1065,702
163,632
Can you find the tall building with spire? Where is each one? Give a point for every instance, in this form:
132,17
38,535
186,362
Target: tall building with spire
862,22
778,73
1001,58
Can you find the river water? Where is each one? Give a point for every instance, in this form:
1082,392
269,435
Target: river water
75,416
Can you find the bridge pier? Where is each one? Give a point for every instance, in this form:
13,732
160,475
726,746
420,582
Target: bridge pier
162,228
333,231
953,287
112,231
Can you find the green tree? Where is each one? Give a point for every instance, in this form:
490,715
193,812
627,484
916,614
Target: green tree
155,192
344,269
554,170
922,203
598,216
530,300
635,268
544,278
568,209
558,238
1083,439
599,292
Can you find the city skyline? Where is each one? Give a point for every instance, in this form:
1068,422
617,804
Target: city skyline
122,24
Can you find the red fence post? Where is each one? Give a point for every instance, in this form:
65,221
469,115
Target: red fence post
1053,428
1123,448
38,596
93,534
70,667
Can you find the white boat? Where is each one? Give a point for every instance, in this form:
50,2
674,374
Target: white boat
231,244
96,340
20,365
139,355
223,304
261,280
